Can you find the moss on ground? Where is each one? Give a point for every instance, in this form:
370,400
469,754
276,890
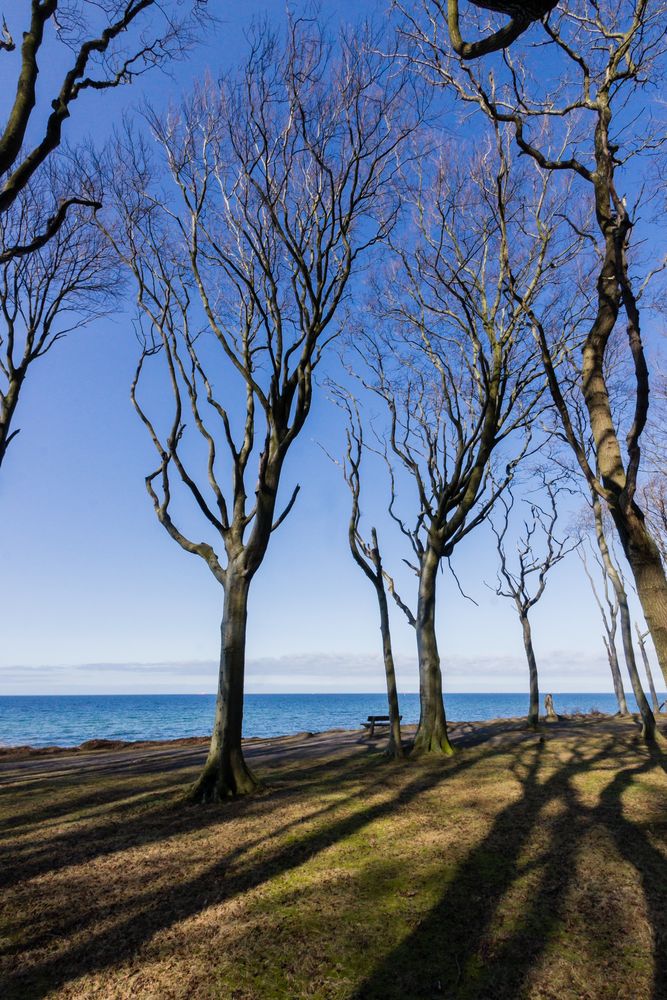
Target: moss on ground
529,868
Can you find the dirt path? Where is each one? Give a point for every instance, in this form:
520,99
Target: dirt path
173,755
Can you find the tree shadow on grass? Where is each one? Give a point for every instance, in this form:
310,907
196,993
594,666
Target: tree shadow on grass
462,952
124,815
636,848
168,820
454,952
111,775
110,931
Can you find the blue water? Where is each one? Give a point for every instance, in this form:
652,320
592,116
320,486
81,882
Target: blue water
67,720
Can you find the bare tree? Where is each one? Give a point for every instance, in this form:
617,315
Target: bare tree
523,577
279,187
455,368
100,52
49,293
367,556
608,606
585,121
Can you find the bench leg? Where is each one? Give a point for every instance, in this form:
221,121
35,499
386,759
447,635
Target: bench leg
371,733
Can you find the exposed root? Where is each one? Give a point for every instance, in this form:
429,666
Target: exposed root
219,783
432,743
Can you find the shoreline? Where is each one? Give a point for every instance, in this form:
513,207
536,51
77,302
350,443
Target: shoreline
455,728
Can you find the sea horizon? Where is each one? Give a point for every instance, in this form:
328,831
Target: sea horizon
71,719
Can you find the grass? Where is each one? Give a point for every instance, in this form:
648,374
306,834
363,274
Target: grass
526,868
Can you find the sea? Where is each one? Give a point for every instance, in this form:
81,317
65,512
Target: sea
69,720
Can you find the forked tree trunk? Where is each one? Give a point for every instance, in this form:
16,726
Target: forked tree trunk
395,748
647,668
431,736
649,730
534,705
226,774
643,556
616,677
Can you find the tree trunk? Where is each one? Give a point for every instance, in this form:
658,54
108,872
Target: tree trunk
616,677
614,287
649,730
395,748
534,706
648,719
8,404
431,734
647,668
225,774
643,555
550,711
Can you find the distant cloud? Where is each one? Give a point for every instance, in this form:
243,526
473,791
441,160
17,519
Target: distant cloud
560,670
175,667
320,672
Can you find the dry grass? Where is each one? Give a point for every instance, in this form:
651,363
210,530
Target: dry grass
524,868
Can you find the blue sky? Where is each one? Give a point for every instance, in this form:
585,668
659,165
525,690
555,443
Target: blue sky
94,597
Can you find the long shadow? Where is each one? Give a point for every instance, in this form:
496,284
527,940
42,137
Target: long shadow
224,879
33,812
101,775
451,954
161,815
193,820
41,774
106,783
38,771
633,845
442,957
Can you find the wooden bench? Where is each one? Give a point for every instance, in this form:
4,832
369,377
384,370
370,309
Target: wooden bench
377,720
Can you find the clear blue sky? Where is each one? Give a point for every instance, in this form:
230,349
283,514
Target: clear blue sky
94,596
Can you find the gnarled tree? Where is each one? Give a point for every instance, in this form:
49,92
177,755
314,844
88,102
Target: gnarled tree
569,381
279,187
